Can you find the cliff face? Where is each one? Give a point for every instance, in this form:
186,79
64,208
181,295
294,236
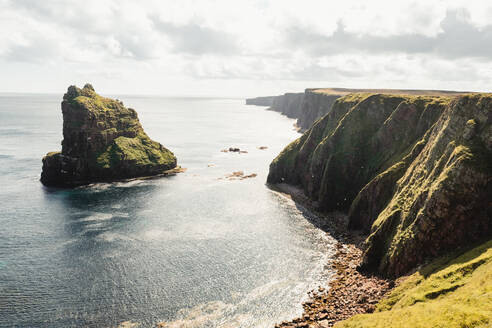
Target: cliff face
261,101
288,104
307,107
102,141
412,171
314,106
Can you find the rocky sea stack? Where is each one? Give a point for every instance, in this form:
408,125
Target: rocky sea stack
102,141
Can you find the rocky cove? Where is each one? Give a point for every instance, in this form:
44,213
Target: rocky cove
412,170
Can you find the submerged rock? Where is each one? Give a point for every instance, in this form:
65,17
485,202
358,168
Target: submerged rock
102,141
234,150
239,175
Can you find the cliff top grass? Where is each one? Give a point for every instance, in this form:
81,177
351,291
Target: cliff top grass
452,292
87,98
345,91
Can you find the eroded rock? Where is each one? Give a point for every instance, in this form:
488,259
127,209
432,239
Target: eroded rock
102,141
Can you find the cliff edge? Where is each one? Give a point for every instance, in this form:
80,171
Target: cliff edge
414,172
306,106
102,141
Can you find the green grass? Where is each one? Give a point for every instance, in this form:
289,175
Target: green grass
141,151
88,99
451,292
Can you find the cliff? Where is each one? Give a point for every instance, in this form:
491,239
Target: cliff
288,104
414,172
306,107
261,101
102,141
313,104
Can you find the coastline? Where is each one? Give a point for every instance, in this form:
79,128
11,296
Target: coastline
350,292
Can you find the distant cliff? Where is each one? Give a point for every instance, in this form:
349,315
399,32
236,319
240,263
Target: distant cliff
102,141
414,172
313,104
261,101
289,104
306,107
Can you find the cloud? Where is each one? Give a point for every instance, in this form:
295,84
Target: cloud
133,46
457,39
198,40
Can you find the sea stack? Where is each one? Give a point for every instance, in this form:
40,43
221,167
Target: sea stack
102,141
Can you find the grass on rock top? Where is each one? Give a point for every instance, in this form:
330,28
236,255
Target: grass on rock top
87,98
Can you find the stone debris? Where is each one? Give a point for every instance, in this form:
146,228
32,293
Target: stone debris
239,175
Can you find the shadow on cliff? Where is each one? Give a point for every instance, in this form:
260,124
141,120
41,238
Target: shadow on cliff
334,223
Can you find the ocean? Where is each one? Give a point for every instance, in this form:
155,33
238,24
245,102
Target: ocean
192,250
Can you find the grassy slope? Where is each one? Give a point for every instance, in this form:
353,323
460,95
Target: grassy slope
450,292
141,151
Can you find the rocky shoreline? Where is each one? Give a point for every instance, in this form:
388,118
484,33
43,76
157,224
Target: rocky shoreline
350,291
412,172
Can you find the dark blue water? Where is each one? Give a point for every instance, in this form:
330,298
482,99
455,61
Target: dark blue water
193,250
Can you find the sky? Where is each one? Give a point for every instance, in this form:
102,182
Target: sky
244,48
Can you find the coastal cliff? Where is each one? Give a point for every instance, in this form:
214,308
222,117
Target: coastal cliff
102,141
306,107
413,171
261,101
289,104
312,104
414,174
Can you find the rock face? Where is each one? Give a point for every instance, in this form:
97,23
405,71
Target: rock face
314,106
288,104
307,107
102,141
261,101
414,172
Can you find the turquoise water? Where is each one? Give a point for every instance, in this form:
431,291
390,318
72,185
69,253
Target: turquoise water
194,250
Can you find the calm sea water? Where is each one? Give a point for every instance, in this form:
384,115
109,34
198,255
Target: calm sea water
194,250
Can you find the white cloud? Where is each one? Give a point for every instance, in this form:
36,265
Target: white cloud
244,47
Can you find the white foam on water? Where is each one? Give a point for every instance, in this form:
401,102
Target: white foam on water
97,217
210,314
128,184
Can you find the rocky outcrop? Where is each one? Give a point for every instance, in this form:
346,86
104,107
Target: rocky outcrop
102,141
414,172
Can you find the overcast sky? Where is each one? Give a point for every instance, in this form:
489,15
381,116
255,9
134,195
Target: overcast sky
243,48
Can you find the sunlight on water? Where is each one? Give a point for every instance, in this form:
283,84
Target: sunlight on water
193,250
